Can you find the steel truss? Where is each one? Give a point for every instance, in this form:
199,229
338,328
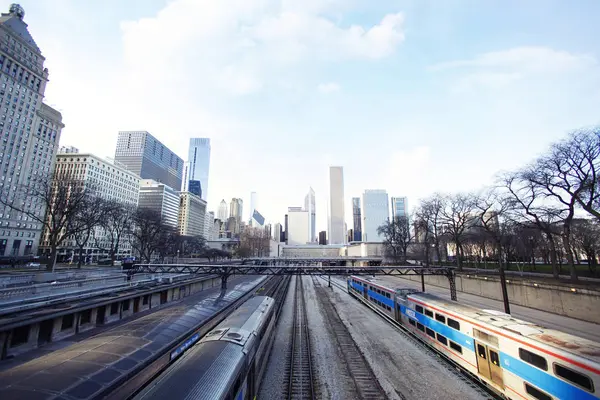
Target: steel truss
227,270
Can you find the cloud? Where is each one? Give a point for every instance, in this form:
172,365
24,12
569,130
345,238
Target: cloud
242,46
497,69
328,87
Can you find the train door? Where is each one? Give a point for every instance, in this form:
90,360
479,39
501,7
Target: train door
488,364
366,292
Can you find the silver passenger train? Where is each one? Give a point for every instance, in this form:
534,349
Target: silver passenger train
227,364
518,359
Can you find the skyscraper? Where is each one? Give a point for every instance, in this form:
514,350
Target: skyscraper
357,219
337,231
375,211
399,207
309,205
222,211
146,156
253,201
298,226
192,215
30,128
161,198
236,207
197,167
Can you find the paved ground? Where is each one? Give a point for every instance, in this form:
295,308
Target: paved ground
573,326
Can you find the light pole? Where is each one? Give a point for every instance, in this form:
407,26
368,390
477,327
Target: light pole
177,260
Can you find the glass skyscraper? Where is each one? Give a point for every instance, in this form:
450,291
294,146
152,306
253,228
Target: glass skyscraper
196,176
357,219
146,156
375,211
399,207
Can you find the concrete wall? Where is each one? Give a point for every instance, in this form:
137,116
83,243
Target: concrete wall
562,300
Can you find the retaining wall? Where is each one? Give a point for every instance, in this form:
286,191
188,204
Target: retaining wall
562,300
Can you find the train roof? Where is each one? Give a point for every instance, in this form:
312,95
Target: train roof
504,322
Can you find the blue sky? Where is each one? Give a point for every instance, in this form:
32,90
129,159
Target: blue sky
409,96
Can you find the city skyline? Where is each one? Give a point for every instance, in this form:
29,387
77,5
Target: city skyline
500,82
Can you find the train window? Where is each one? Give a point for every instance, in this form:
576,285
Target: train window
455,347
429,313
494,358
573,376
412,322
430,332
453,324
533,359
420,327
440,318
481,351
388,296
442,339
419,309
537,393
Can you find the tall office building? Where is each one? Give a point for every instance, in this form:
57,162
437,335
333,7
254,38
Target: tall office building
222,211
210,223
357,219
375,212
236,207
146,156
31,129
162,198
192,215
277,232
298,226
253,205
309,205
399,207
196,172
337,231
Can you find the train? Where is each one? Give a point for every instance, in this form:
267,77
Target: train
227,363
515,358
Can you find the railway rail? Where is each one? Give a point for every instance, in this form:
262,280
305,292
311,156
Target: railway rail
299,368
366,383
467,378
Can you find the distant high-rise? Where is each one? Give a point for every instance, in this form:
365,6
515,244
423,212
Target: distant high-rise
31,130
196,175
236,207
322,238
298,226
146,156
192,215
357,219
161,198
375,212
222,211
399,207
337,232
309,206
253,205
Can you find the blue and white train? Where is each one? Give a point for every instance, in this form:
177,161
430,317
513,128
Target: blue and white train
517,359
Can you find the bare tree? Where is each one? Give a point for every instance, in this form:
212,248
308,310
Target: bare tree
429,219
61,200
146,232
114,227
457,217
396,238
528,208
586,239
254,242
491,208
87,218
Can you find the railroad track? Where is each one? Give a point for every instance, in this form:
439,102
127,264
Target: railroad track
366,383
299,368
448,364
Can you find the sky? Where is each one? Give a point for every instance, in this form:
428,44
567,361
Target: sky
411,96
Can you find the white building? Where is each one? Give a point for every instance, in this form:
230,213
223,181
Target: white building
375,212
111,181
222,211
197,167
336,226
30,129
162,198
276,233
298,226
309,205
192,215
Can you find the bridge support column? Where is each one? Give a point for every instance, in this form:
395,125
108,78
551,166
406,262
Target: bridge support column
422,281
452,282
224,276
329,282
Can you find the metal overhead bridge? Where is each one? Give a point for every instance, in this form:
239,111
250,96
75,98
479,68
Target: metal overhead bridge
338,260
272,269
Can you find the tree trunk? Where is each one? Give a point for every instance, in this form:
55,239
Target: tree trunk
458,255
52,260
80,257
555,271
566,237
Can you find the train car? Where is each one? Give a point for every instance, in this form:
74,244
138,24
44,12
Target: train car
518,359
228,363
373,293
